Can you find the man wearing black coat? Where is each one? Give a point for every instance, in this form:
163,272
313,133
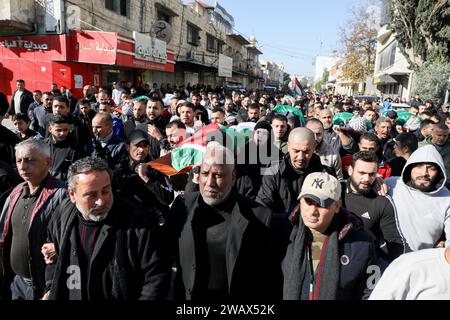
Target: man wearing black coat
283,181
106,249
20,100
3,104
137,182
63,147
224,243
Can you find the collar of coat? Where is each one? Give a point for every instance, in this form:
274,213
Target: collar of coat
50,187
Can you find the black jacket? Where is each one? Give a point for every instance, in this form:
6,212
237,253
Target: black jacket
251,267
279,191
129,260
378,216
25,100
63,153
156,194
347,263
8,141
3,104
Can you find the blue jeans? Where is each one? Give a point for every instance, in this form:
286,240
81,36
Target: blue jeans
21,289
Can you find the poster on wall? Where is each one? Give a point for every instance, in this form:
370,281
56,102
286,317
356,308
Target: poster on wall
225,66
78,81
96,80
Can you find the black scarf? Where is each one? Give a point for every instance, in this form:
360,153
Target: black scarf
295,262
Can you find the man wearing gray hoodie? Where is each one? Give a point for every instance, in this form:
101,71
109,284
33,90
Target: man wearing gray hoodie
421,200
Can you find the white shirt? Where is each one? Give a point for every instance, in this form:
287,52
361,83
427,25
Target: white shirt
420,275
17,101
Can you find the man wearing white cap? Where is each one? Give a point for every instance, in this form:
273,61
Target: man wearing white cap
330,256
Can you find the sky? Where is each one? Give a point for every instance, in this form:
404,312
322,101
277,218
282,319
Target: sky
292,32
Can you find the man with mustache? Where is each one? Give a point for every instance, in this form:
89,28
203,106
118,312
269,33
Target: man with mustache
376,212
223,239
279,190
421,200
106,248
28,211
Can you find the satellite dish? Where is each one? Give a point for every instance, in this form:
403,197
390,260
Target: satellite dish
161,30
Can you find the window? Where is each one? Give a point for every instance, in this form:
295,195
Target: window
211,43
109,4
163,16
193,35
387,56
118,6
124,7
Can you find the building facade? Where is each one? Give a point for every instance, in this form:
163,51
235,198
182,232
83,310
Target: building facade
74,43
392,75
273,74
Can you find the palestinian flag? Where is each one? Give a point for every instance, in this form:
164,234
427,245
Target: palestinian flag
192,150
298,89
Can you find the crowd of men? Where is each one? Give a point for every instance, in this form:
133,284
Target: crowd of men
307,209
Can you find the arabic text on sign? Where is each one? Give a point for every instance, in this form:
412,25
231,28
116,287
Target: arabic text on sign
30,45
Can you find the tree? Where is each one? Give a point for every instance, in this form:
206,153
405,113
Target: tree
286,78
359,37
422,29
431,79
324,80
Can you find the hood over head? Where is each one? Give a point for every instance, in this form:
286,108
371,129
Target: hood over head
425,154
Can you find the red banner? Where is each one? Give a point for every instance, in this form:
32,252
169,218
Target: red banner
94,47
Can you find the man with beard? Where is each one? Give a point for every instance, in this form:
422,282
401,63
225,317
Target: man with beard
199,109
230,114
175,135
328,156
106,248
242,115
280,189
88,94
421,200
224,244
334,136
439,139
139,120
253,113
376,212
383,128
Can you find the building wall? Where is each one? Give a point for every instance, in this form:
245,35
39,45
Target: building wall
141,14
323,63
399,69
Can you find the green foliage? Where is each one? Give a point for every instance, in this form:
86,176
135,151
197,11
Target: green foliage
422,29
430,80
358,37
286,78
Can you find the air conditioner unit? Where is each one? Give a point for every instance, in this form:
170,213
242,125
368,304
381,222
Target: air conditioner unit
191,55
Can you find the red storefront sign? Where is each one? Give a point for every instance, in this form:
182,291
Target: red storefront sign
94,47
34,47
112,49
